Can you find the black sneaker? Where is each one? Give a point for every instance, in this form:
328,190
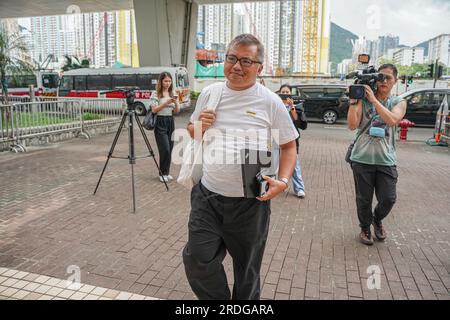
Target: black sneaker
366,237
379,231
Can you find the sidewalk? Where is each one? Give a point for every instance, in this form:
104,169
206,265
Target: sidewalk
49,220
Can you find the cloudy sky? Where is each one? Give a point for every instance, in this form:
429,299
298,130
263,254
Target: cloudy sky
414,21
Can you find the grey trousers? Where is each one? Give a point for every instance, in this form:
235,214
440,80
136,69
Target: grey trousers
370,179
219,224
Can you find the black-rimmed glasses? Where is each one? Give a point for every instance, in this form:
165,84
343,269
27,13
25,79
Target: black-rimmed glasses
245,62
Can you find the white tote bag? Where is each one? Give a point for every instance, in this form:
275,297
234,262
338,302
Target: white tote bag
192,167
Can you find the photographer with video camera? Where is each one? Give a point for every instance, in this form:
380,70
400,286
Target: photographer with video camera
298,117
375,113
164,104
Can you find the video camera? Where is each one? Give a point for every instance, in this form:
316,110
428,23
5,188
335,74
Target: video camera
368,76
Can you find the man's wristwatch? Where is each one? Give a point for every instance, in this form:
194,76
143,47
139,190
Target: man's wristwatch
285,180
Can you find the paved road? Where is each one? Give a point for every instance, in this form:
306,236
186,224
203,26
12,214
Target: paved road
49,220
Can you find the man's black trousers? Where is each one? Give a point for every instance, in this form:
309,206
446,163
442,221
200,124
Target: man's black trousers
370,179
219,224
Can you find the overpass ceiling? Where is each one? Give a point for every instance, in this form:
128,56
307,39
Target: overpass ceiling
27,8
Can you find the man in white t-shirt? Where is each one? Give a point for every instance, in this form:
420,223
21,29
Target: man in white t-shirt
249,116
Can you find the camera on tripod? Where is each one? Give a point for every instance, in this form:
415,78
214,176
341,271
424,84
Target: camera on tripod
131,116
367,76
128,92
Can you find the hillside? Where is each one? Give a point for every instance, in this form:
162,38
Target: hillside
340,43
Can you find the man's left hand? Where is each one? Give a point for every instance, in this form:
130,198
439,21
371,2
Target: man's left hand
275,188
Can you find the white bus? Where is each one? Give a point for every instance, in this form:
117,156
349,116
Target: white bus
45,83
89,83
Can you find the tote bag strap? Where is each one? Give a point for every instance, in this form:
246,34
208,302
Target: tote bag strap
214,98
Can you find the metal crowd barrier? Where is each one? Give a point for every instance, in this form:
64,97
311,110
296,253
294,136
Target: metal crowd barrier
50,116
6,127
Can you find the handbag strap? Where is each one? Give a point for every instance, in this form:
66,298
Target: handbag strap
389,106
363,130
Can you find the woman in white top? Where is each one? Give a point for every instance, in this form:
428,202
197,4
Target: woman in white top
165,104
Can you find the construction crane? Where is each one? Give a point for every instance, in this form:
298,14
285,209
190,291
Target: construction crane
310,37
96,39
252,22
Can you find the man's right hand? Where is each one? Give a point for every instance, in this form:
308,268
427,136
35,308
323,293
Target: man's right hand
207,118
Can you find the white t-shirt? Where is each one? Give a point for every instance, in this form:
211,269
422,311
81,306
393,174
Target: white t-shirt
252,119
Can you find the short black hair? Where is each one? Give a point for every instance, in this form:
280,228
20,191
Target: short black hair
389,66
247,39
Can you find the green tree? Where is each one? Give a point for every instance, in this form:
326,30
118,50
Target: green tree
73,62
12,48
417,70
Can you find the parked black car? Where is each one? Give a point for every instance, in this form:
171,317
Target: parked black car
326,102
423,104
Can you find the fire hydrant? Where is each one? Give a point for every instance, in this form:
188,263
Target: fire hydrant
404,125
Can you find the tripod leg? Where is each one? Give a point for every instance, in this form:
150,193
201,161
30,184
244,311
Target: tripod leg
149,147
132,185
113,146
132,155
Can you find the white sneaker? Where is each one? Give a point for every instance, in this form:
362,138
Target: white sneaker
169,177
301,194
163,179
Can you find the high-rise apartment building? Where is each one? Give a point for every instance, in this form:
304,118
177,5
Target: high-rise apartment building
95,37
384,43
103,38
409,56
278,24
126,40
215,22
52,35
439,48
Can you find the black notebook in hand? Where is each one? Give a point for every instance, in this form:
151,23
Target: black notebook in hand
254,162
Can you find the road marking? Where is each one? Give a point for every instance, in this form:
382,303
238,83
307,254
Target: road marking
336,128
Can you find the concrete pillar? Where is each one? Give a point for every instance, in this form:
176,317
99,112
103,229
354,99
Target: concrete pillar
191,42
166,32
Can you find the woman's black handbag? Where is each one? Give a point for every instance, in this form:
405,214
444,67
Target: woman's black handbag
149,122
349,152
302,121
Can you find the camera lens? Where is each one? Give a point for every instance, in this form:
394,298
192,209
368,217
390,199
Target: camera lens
381,77
357,92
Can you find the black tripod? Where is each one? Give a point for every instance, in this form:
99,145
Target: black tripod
129,113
